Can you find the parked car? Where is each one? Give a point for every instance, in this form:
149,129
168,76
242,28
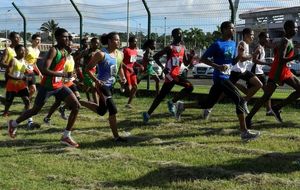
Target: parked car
201,70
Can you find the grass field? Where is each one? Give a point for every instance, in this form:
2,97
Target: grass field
165,154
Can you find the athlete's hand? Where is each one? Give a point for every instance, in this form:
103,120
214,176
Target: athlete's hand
98,83
222,67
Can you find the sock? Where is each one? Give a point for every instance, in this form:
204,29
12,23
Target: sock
67,133
30,120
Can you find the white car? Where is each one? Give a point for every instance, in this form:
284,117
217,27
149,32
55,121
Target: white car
201,70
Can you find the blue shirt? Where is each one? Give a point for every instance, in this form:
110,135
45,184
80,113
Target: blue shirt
222,52
107,70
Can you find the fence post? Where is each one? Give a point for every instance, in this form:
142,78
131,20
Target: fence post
24,24
80,21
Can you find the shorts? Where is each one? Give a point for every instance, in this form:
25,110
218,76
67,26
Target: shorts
30,79
43,94
235,76
11,94
130,77
262,78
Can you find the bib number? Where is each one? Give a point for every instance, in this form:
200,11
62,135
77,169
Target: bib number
175,61
113,70
133,59
228,69
58,79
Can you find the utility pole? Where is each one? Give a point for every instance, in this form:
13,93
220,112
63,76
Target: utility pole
165,30
128,22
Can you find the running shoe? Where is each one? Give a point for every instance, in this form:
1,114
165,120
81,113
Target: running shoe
146,117
11,130
31,125
69,142
171,107
128,106
276,114
120,139
179,108
249,135
47,120
61,110
206,113
269,113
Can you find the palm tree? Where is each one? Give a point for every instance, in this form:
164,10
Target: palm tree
50,27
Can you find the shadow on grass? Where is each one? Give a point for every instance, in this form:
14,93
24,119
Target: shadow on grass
237,169
267,125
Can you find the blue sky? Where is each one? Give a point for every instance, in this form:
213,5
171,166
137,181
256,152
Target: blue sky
103,16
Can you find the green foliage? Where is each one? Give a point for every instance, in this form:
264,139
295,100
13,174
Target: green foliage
50,28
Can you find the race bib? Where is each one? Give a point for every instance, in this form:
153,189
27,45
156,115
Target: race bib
17,74
175,61
58,79
113,70
151,62
133,58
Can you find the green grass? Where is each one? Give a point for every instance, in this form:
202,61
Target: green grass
165,154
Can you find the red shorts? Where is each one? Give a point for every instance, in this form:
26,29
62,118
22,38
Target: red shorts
130,77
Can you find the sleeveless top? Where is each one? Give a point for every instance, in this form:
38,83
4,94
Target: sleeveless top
18,70
281,71
130,57
241,66
107,70
57,65
175,60
10,55
31,58
257,68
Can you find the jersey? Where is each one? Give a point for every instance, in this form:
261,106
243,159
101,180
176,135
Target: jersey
130,57
257,68
241,66
107,70
57,65
17,70
31,58
174,61
10,55
280,71
223,52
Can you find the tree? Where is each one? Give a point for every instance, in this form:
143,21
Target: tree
50,27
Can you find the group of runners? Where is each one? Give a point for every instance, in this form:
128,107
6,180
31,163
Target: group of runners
95,70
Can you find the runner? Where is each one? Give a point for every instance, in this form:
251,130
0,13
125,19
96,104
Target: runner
32,55
87,81
223,53
68,82
129,60
176,55
52,84
16,82
280,73
258,63
148,61
107,70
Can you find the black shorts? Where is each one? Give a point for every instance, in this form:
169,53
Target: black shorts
43,94
262,78
11,94
30,79
235,76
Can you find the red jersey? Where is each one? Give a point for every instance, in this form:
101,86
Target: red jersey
175,60
279,71
130,56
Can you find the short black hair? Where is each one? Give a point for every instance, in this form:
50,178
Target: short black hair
94,39
13,34
225,25
59,32
18,47
131,39
34,36
147,44
175,30
288,24
262,35
246,31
